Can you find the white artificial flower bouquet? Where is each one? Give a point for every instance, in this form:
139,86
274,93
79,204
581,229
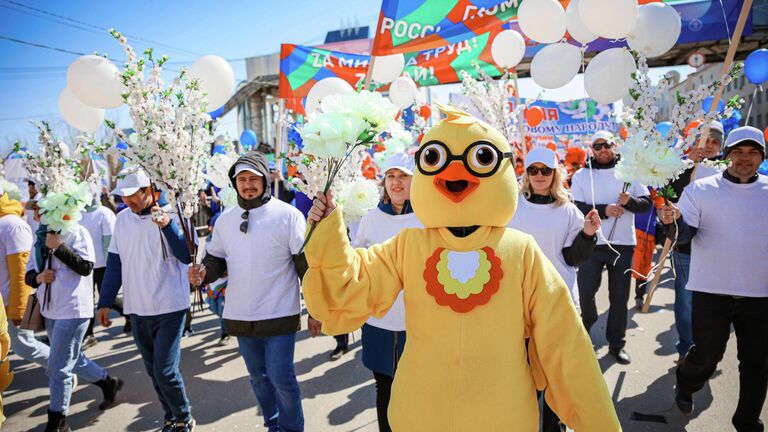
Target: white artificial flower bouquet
61,211
334,140
358,197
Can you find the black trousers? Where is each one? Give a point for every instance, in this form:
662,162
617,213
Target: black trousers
712,317
383,393
550,422
619,279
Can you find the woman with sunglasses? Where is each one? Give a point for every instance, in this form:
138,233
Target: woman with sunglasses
566,237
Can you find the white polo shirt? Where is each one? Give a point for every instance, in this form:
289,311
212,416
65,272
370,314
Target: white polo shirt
554,228
377,227
729,253
99,222
15,237
71,294
607,190
262,280
151,285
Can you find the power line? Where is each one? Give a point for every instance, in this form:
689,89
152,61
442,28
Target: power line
28,117
37,45
82,25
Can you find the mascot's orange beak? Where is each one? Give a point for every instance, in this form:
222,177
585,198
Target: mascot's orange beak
456,183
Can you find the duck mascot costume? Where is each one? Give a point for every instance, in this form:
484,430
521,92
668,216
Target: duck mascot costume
488,318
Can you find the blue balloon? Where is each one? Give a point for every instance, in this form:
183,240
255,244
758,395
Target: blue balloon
664,127
248,139
756,67
219,149
763,168
216,113
122,145
706,104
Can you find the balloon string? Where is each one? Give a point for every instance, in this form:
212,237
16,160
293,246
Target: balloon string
749,111
725,19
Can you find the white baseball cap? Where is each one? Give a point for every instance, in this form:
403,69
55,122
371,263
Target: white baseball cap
245,167
400,161
604,135
745,133
716,125
130,182
541,155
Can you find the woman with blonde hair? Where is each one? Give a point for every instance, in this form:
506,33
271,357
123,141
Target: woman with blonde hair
563,233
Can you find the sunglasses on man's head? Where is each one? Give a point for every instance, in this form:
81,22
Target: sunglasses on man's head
244,225
545,171
600,146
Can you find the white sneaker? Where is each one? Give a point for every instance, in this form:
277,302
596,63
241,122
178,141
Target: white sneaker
74,381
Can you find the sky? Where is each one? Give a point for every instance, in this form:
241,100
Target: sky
32,77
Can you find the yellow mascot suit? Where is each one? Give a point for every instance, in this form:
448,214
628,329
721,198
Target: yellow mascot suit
474,293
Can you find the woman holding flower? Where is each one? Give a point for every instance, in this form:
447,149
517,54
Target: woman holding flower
61,264
566,237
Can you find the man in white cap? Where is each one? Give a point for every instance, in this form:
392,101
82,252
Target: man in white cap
148,256
706,165
257,245
596,186
723,216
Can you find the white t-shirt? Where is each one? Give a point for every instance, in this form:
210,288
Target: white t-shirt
30,218
554,229
262,280
704,171
15,237
99,222
377,227
607,190
729,253
151,285
71,294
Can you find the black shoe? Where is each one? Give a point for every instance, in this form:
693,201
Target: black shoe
684,401
109,387
57,422
224,341
187,332
43,339
338,352
127,326
168,426
89,342
620,355
639,301
188,426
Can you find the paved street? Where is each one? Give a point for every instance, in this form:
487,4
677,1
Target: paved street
340,396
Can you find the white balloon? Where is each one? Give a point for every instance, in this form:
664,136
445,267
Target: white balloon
79,115
542,20
555,65
387,68
323,88
508,48
217,79
403,92
611,19
657,30
575,26
95,81
608,76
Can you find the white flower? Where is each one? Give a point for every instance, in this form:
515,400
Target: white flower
398,142
331,134
376,110
358,198
228,196
649,160
218,168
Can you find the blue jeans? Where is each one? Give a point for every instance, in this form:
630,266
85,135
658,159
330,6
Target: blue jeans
682,304
67,358
217,306
24,344
159,341
269,361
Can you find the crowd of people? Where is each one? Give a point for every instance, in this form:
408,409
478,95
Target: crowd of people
585,220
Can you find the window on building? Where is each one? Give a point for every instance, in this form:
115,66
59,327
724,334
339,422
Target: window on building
728,87
759,97
759,123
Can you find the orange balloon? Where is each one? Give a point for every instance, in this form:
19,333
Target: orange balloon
623,133
425,112
766,133
693,125
534,116
642,2
552,146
